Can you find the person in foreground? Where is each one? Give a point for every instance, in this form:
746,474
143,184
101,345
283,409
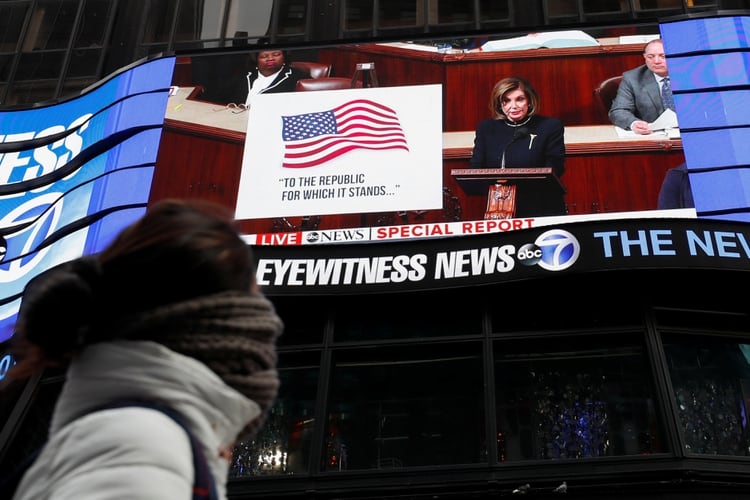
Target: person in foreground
639,97
168,313
518,136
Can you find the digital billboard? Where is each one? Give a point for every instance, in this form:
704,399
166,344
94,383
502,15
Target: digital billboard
437,93
380,151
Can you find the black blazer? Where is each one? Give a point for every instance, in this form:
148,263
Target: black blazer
235,89
542,144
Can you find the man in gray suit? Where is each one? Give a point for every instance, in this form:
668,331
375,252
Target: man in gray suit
639,101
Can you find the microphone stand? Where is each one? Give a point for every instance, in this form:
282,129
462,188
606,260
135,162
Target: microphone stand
517,134
501,198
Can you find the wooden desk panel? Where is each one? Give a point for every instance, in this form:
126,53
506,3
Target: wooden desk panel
595,183
603,173
564,78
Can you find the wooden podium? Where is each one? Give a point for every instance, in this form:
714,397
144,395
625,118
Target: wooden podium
500,185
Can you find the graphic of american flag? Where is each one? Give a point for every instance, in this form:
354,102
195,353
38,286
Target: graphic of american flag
314,138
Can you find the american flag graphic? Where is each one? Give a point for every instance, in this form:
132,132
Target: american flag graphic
314,138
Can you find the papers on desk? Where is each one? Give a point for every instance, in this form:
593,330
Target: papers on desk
553,39
672,133
666,124
626,134
666,121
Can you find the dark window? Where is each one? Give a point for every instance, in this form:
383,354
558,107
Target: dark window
711,384
405,406
283,444
574,397
403,316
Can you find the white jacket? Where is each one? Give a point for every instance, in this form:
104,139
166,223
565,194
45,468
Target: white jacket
131,452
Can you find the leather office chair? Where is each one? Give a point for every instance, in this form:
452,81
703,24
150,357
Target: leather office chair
314,69
326,83
605,93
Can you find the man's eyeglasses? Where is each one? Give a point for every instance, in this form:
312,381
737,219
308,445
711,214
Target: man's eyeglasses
651,57
234,107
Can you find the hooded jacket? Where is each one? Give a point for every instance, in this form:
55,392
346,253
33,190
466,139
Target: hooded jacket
134,452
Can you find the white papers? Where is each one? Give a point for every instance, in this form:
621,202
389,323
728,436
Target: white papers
553,39
670,133
625,134
666,124
637,38
667,120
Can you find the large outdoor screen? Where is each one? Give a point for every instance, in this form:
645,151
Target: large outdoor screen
375,146
414,179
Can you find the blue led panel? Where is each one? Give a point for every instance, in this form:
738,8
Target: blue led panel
709,71
711,199
729,108
704,34
73,174
709,67
717,148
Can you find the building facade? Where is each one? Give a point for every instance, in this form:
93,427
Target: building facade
618,370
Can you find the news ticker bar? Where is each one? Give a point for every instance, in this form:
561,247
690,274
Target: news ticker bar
443,229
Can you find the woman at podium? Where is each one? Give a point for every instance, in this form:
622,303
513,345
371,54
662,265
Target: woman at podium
528,147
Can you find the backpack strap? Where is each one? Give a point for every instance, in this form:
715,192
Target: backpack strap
204,486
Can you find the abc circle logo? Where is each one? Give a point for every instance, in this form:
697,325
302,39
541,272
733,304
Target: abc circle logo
313,237
553,250
529,254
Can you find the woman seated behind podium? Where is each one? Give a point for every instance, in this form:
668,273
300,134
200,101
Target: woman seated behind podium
517,136
270,74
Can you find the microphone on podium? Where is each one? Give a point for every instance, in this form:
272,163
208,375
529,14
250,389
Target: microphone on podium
519,133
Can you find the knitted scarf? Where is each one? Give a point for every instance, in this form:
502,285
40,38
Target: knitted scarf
233,333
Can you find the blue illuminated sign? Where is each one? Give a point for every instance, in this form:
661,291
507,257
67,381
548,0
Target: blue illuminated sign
73,174
709,67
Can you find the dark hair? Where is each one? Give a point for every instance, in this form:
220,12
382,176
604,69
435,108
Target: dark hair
177,251
509,84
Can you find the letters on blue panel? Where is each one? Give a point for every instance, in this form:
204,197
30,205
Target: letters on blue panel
73,174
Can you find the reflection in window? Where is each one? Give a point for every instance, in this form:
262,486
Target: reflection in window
579,397
405,406
92,31
711,383
292,18
283,444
